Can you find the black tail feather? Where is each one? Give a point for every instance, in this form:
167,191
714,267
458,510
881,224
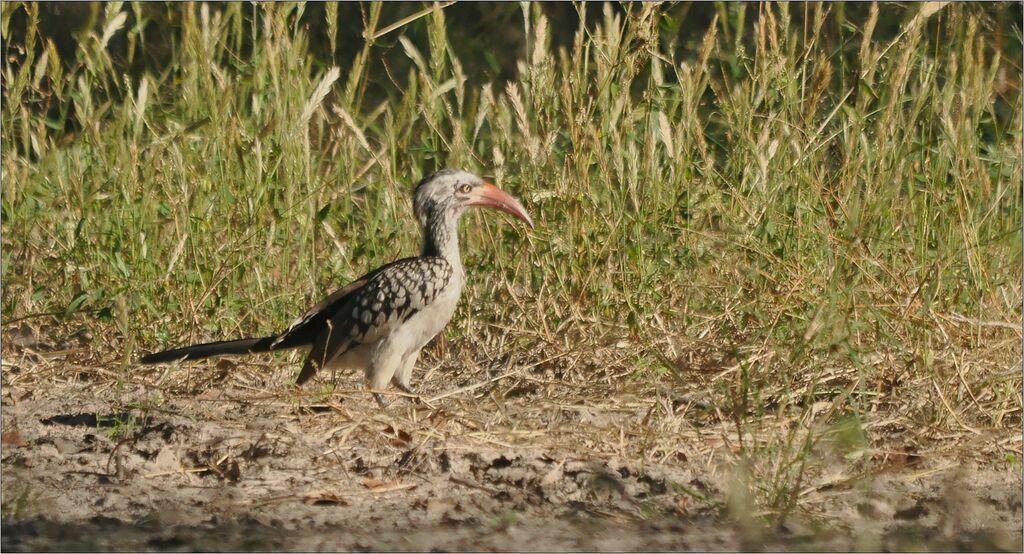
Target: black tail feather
200,351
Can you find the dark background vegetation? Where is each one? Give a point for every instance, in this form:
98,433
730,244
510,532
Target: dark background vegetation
488,36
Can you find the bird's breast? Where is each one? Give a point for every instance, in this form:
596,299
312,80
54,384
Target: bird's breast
427,323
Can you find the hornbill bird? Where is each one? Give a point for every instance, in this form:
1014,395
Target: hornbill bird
379,322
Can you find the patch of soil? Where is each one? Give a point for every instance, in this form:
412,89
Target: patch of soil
91,468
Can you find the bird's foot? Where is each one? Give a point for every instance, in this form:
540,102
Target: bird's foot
381,401
414,396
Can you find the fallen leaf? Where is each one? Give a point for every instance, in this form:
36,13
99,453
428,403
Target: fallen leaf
398,437
374,483
18,394
377,485
323,498
13,438
898,459
437,508
682,504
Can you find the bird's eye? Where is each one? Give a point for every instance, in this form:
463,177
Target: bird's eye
464,188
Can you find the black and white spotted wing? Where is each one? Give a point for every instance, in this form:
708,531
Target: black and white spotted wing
304,330
383,300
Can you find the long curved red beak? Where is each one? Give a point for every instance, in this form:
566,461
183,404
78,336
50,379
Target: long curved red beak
491,196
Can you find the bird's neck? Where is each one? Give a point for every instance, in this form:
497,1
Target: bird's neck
441,238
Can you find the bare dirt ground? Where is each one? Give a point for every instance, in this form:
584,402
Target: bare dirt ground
224,457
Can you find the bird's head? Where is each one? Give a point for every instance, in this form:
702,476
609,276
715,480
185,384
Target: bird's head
449,192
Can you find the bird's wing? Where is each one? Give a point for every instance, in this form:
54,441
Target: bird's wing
372,311
307,327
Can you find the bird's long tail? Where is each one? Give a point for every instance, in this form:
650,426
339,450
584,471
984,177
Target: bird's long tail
200,351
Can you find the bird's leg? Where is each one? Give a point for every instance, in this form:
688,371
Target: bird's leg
379,373
416,397
403,377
